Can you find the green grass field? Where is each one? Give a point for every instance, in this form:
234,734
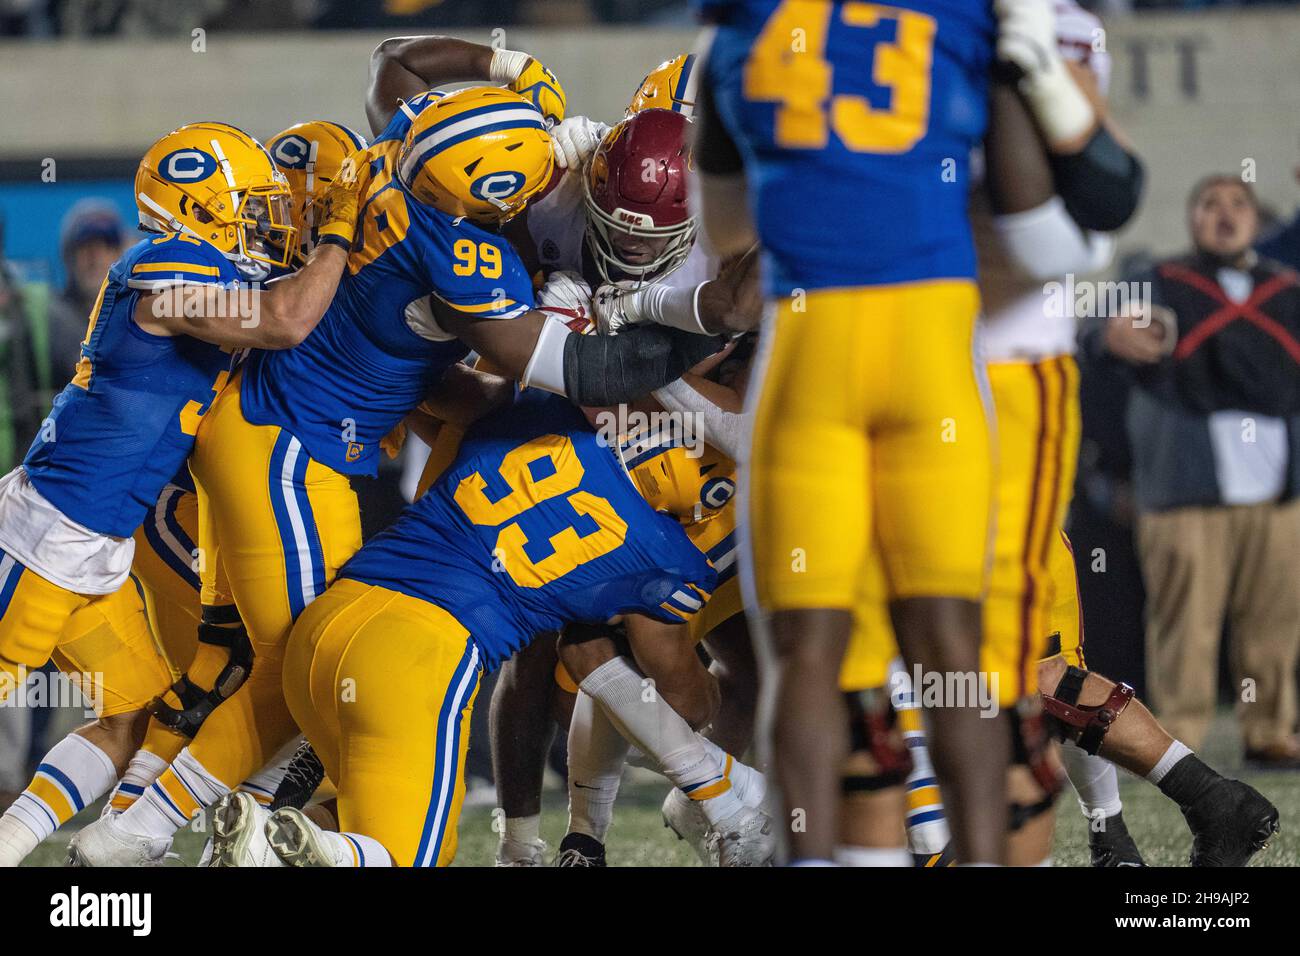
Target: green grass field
639,837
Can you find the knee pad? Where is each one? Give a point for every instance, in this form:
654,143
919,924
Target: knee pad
196,703
1031,746
1091,722
874,733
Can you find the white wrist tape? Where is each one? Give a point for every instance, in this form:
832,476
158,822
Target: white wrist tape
545,369
722,429
673,306
1058,104
507,65
1045,243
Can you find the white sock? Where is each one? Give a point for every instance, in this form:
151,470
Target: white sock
73,775
360,849
1176,752
523,830
596,754
635,758
647,721
927,826
873,856
173,800
144,769
1094,780
263,784
750,784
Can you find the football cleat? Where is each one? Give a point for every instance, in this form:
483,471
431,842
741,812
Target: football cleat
513,853
239,833
578,849
1112,845
684,817
106,843
296,841
1230,822
746,838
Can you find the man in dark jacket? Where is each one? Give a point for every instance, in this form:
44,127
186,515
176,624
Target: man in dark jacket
1214,425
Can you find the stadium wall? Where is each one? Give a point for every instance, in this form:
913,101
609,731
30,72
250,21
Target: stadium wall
1198,92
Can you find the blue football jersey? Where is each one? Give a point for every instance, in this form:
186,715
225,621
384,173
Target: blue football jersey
857,144
365,366
125,425
533,525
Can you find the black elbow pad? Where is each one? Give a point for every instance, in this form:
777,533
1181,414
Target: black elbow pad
612,369
1100,185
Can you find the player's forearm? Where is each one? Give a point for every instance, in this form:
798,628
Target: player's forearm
1019,175
290,308
403,67
464,395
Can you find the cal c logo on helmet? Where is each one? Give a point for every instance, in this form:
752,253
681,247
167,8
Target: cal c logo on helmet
500,186
717,492
291,152
187,165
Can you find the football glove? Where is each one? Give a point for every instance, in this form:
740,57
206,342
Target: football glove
336,208
575,140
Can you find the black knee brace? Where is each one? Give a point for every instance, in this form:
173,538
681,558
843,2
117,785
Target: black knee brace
1031,745
196,703
1091,722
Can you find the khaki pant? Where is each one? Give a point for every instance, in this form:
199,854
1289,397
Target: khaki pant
1201,565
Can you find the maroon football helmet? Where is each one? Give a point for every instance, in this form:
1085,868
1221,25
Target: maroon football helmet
638,224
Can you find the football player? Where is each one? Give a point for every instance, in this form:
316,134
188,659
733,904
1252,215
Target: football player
1029,236
311,156
633,237
536,522
858,196
170,317
609,672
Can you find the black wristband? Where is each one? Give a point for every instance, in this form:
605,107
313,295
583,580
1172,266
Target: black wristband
1101,184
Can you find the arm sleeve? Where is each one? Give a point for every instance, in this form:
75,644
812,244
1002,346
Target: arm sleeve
1101,185
1045,243
722,429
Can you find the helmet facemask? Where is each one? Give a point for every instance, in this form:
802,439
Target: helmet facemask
603,230
267,234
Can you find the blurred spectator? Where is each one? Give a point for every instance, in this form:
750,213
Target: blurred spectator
21,403
90,241
1214,423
